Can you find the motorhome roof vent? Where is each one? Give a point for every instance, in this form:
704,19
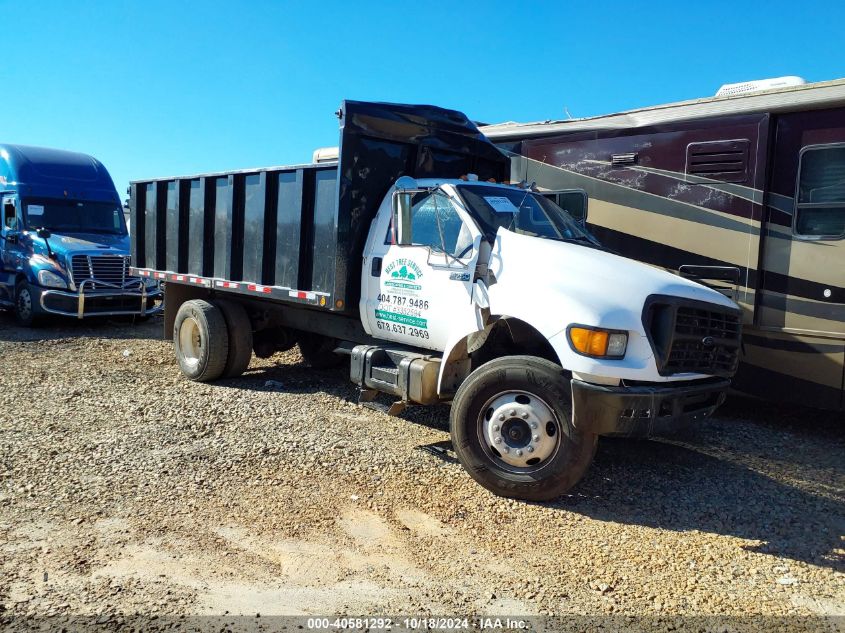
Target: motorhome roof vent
744,87
324,155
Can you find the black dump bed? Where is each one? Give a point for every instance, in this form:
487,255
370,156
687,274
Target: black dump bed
296,233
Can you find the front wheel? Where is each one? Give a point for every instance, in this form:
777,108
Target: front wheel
26,311
511,426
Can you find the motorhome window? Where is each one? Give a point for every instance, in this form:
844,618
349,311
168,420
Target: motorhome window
74,216
573,202
820,201
521,212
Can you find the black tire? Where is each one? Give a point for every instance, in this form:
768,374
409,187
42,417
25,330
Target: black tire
26,309
201,350
318,351
239,328
523,377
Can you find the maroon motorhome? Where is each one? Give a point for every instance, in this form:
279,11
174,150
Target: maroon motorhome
744,192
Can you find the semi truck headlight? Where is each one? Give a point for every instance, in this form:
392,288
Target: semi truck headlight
50,279
596,342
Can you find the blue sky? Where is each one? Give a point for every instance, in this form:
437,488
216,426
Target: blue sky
156,88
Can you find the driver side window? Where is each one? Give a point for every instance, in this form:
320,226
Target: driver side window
435,223
10,217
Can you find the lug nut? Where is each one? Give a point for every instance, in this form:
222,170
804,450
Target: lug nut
519,453
507,450
512,413
534,425
501,416
498,440
536,438
496,427
525,415
530,449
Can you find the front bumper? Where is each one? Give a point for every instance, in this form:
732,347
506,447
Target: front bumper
97,298
643,411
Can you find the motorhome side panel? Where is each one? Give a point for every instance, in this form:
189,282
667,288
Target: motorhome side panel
685,194
798,344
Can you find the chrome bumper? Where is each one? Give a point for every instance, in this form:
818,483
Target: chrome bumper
132,289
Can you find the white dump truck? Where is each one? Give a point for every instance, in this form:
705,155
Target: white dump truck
411,260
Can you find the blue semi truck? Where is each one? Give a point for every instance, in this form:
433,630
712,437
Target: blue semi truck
64,243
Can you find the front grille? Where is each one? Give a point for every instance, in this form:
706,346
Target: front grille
693,337
109,269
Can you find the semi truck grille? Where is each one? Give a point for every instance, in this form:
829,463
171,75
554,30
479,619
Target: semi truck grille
693,337
110,269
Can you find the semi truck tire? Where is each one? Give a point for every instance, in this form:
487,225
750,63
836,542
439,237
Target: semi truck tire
512,429
318,351
26,310
201,340
239,329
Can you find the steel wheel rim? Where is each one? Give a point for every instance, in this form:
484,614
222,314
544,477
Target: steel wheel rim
24,303
190,341
519,431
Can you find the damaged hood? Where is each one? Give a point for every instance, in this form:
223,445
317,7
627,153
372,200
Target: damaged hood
601,288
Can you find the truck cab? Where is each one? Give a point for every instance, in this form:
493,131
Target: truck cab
64,244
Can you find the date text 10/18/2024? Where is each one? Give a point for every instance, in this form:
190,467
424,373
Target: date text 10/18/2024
417,624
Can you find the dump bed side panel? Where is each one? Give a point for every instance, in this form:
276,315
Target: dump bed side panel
264,227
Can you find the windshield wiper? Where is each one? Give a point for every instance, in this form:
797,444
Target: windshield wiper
583,240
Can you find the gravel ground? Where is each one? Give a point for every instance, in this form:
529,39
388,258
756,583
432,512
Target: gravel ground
125,488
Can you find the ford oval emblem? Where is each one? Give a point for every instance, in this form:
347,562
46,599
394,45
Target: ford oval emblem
708,341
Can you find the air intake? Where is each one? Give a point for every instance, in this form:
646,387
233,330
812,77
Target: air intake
726,161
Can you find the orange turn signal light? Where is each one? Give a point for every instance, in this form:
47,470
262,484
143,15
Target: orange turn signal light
598,343
592,342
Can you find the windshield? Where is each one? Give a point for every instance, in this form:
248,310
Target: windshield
73,216
523,212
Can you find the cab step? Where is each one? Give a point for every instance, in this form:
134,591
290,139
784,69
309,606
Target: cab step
366,398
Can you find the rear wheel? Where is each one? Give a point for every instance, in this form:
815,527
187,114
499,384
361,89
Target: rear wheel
26,310
512,430
201,340
318,351
239,329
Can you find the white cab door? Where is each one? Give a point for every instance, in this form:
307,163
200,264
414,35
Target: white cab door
419,294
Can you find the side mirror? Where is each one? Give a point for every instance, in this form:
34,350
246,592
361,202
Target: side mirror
402,202
12,237
43,233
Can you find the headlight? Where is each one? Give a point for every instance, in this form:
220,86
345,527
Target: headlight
50,279
596,342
